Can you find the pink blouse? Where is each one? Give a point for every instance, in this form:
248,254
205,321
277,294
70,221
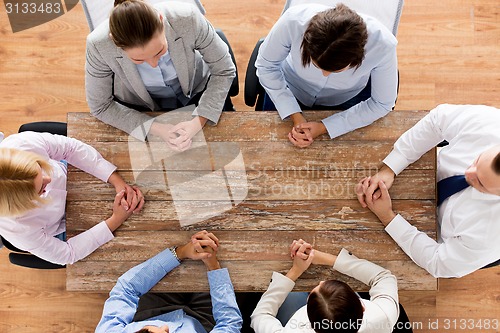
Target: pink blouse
35,230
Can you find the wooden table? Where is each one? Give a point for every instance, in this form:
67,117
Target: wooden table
288,193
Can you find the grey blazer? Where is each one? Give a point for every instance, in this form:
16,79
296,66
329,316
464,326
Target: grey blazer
197,52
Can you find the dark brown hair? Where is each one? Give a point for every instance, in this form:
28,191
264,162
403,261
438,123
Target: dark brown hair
133,23
496,164
335,39
335,307
143,330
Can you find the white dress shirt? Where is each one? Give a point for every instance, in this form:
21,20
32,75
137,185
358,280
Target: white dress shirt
280,71
381,311
469,228
35,230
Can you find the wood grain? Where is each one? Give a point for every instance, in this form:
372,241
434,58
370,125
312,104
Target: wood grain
86,276
254,185
259,215
250,126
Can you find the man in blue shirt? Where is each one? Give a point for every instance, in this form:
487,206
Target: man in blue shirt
318,57
121,307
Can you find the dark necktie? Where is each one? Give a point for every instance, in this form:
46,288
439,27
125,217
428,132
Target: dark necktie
449,186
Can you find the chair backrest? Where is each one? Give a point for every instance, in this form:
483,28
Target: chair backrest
388,12
97,11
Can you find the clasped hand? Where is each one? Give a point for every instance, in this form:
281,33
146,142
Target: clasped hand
302,254
203,246
373,192
179,137
303,132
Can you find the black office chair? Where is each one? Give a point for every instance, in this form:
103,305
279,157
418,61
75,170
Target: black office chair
25,259
235,86
19,257
254,92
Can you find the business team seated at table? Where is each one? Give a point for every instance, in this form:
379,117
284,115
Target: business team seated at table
315,57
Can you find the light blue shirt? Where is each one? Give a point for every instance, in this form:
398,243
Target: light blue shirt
162,83
280,71
121,306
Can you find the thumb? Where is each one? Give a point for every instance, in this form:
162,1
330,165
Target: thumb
311,256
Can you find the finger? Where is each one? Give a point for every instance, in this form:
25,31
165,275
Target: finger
311,257
292,139
140,205
130,194
366,184
369,193
376,195
307,130
135,201
384,191
185,145
295,247
119,196
299,135
302,255
180,139
302,249
124,203
202,255
205,242
360,194
213,237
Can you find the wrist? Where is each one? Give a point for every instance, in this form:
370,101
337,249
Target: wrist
113,223
323,258
201,120
212,265
294,273
180,253
297,118
387,217
116,181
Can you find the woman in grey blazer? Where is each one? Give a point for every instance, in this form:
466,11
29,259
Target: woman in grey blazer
154,58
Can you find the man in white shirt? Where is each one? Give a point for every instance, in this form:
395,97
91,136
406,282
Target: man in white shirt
469,228
317,56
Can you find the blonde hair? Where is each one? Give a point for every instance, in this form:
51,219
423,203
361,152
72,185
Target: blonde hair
18,170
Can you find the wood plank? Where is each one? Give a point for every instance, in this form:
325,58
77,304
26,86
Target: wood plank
247,276
245,245
257,215
321,156
253,126
254,185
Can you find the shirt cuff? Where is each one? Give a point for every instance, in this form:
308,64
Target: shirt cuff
282,281
344,258
396,161
218,277
398,227
104,169
101,233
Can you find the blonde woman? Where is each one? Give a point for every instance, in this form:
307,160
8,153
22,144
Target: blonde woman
33,174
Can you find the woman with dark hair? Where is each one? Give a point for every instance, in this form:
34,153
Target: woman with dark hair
332,306
320,57
153,58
